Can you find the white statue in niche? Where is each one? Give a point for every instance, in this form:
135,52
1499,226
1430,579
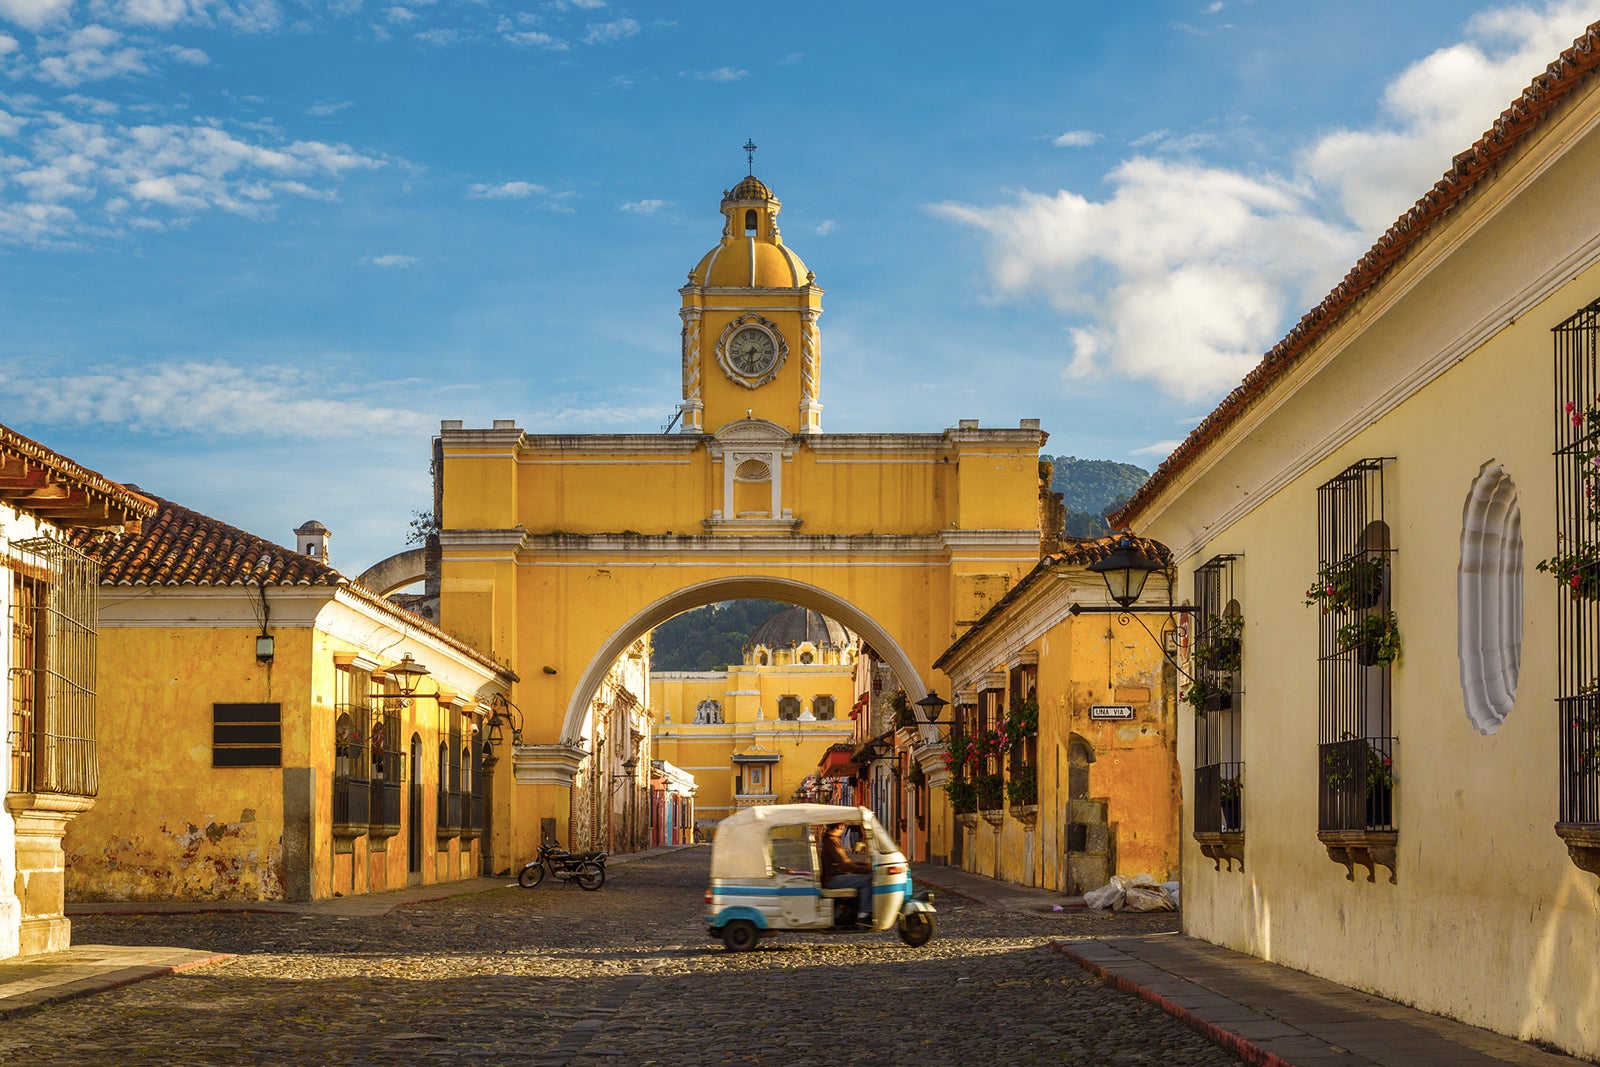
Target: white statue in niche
708,713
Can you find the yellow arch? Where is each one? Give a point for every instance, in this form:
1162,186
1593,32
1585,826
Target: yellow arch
736,587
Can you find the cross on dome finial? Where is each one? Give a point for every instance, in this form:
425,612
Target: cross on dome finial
749,147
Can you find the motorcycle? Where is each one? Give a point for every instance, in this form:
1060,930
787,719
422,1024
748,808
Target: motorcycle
588,869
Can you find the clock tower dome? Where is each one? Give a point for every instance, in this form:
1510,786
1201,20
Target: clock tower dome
750,343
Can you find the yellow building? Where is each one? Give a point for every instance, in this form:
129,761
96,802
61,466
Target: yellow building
1415,793
260,744
753,733
1086,785
559,551
49,758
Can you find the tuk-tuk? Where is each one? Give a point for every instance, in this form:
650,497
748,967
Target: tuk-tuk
766,877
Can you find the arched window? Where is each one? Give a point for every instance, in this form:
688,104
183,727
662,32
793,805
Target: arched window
750,220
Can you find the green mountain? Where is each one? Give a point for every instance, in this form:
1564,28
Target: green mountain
1090,488
709,638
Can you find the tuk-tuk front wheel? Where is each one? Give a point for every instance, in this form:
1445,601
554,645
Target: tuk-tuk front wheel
916,929
740,935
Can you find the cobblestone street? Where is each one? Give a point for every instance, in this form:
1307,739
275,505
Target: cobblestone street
627,974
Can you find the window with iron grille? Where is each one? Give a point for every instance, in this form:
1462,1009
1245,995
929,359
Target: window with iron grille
246,735
1022,732
1357,640
388,763
1216,694
53,619
788,707
353,744
1576,565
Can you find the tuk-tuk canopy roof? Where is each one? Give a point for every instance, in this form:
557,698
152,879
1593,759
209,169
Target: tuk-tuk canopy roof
740,848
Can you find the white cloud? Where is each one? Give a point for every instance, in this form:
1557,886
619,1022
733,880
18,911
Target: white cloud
34,14
1163,449
588,5
607,32
1213,7
8,44
1076,139
721,74
215,399
323,109
392,261
535,39
11,125
825,227
505,191
93,53
153,175
1186,273
643,207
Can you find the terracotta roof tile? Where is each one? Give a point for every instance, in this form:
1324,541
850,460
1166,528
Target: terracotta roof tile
1574,68
48,484
181,547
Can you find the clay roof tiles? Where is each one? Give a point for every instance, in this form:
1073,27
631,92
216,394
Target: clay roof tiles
39,480
1574,68
182,547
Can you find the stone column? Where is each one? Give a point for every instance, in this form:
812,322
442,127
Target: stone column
41,822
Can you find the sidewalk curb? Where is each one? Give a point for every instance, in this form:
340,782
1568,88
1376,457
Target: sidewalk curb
1237,1044
23,1004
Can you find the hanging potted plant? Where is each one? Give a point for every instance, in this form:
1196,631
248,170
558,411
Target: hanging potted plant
1023,788
963,798
1223,643
1351,584
991,790
1232,794
1023,720
1205,697
1375,638
901,707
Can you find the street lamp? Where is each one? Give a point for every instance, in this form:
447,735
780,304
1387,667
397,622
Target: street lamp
1125,570
932,706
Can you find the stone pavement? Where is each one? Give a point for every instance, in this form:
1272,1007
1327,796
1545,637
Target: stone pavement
31,982
563,978
480,972
1264,1013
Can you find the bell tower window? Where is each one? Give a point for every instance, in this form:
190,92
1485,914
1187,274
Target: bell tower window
750,220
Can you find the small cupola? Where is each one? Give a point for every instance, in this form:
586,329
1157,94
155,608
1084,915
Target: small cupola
311,539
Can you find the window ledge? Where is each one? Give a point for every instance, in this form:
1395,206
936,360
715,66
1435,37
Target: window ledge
993,816
1583,844
1026,814
968,819
1362,848
1222,847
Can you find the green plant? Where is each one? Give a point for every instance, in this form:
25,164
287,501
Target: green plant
1023,720
1224,643
1232,788
1588,422
963,797
1577,567
991,790
1375,638
901,707
1348,585
916,776
1374,768
1023,788
1195,695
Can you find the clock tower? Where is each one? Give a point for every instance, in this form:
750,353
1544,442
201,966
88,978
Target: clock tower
750,343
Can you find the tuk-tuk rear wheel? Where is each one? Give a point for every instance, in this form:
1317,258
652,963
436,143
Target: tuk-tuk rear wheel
916,929
740,935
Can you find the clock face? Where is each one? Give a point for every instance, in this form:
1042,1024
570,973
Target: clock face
752,351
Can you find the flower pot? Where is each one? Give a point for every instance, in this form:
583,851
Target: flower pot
1219,701
1223,655
1232,813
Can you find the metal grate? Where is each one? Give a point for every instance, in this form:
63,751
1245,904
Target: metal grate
54,615
1577,445
1354,727
1217,668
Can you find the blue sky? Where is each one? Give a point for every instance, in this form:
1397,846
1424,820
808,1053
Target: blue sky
252,251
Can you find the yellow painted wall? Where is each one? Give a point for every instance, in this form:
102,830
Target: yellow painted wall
1489,921
169,826
746,691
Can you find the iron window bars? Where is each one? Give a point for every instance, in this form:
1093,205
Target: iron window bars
1216,668
54,618
1355,732
1577,566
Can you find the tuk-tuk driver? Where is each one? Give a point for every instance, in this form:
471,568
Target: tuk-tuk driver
840,871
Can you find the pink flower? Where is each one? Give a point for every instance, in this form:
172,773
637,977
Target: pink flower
1571,406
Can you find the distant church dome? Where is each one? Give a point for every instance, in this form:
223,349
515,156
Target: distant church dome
752,254
798,626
